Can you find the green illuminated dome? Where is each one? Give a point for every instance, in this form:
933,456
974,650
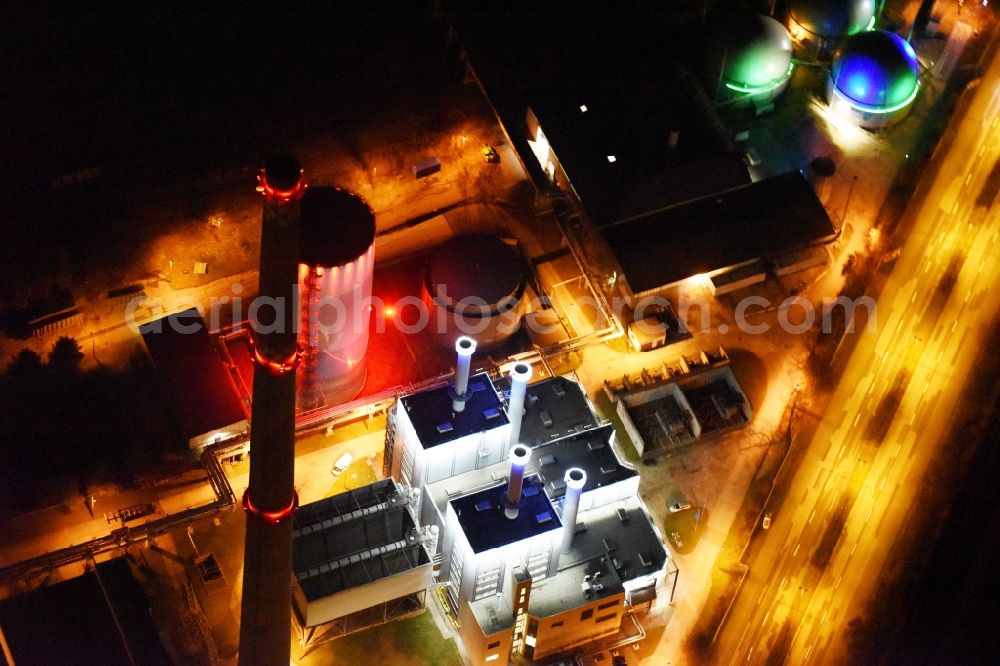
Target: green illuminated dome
829,19
750,54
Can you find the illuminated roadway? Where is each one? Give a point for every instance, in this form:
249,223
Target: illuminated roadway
932,315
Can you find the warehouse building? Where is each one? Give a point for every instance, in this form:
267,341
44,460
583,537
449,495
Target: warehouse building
197,386
629,137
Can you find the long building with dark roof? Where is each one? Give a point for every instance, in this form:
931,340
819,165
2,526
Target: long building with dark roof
602,105
198,389
719,233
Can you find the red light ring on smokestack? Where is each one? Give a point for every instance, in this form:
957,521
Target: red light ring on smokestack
278,196
280,367
273,517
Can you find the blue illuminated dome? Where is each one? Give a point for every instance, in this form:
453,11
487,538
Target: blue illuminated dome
875,72
829,19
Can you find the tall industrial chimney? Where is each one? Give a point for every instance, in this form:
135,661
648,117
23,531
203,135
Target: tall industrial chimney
519,376
270,500
575,479
519,456
466,347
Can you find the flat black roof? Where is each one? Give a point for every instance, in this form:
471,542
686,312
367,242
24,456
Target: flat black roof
485,525
646,174
339,542
192,374
620,536
71,622
621,63
590,451
434,421
336,226
766,218
553,408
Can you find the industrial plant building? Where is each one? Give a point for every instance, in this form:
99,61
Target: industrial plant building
509,497
359,559
664,409
631,138
197,388
717,235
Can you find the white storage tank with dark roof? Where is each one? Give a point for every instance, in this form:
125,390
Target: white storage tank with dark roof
474,285
336,260
822,23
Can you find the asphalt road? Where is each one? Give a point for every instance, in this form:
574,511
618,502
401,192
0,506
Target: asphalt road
814,569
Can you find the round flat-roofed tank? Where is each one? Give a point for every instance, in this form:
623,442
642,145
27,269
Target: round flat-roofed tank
874,78
823,22
474,285
336,260
749,55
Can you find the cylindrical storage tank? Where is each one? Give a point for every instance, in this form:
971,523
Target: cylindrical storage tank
821,24
336,259
474,285
874,79
748,57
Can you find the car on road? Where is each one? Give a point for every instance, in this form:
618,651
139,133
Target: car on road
679,506
766,523
342,463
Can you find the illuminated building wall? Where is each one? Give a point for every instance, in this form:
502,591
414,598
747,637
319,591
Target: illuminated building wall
335,282
873,80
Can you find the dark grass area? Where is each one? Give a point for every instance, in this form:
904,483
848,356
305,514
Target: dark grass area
415,640
65,429
176,103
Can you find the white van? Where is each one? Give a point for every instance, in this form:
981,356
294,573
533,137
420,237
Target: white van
343,462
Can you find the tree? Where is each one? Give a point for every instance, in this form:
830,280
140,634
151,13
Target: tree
65,357
26,365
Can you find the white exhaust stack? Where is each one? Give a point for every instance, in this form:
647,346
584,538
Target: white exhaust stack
575,479
520,373
519,456
466,347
